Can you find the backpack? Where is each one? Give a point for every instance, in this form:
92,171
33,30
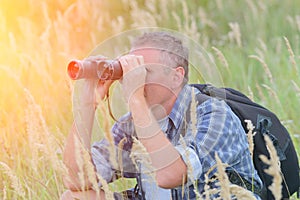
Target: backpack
265,122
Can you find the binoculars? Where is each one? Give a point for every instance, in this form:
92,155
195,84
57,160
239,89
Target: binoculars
96,69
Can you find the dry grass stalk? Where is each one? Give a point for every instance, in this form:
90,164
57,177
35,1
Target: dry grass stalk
235,33
109,195
274,168
204,19
265,66
252,7
164,9
209,192
193,113
223,179
120,149
139,153
250,93
187,24
273,94
290,19
118,25
3,28
198,195
263,45
296,88
241,193
79,162
226,190
192,29
221,57
12,74
261,52
297,19
292,55
212,191
4,196
151,6
278,47
250,136
206,191
106,123
262,6
12,41
90,171
189,168
177,20
39,135
140,157
107,134
182,187
260,92
33,129
15,181
219,4
185,12
141,16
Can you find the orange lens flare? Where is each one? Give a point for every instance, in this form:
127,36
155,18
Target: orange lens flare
73,69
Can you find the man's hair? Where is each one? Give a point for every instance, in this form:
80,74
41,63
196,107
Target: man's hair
173,52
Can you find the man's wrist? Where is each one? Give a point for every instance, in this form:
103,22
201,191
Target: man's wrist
137,103
147,132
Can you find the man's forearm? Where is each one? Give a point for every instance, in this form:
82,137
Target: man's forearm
78,142
170,169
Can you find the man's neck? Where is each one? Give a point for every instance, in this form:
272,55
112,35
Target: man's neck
161,111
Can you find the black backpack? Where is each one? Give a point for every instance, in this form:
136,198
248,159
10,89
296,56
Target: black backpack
265,122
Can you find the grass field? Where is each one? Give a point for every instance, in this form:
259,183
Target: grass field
255,46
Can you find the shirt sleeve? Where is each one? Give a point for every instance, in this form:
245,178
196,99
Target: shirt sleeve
191,159
101,153
100,157
219,131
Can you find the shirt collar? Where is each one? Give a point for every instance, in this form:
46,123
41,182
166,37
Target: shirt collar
181,104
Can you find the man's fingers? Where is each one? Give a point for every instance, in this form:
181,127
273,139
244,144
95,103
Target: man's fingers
124,63
103,87
140,60
130,62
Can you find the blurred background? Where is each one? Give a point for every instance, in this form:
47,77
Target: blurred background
254,45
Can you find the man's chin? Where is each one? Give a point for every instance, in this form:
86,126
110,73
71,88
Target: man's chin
150,102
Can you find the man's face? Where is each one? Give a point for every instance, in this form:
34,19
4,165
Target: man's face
158,79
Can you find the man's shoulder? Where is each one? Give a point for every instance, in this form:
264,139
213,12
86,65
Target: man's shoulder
213,104
125,118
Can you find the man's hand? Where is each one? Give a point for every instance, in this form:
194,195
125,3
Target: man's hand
102,87
88,91
134,77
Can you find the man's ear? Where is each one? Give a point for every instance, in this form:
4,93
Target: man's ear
178,77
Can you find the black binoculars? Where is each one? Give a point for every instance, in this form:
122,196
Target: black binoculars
96,69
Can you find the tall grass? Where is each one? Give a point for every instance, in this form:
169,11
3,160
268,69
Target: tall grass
255,45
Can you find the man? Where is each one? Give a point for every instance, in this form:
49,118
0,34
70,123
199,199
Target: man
154,83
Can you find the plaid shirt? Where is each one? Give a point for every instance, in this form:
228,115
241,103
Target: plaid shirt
218,131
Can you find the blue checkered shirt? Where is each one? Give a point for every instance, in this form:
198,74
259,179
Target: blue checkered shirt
218,130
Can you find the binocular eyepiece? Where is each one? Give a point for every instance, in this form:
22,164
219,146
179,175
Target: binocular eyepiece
96,69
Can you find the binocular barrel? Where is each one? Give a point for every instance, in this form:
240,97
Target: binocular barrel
103,69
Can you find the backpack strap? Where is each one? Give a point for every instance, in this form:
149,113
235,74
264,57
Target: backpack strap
139,188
